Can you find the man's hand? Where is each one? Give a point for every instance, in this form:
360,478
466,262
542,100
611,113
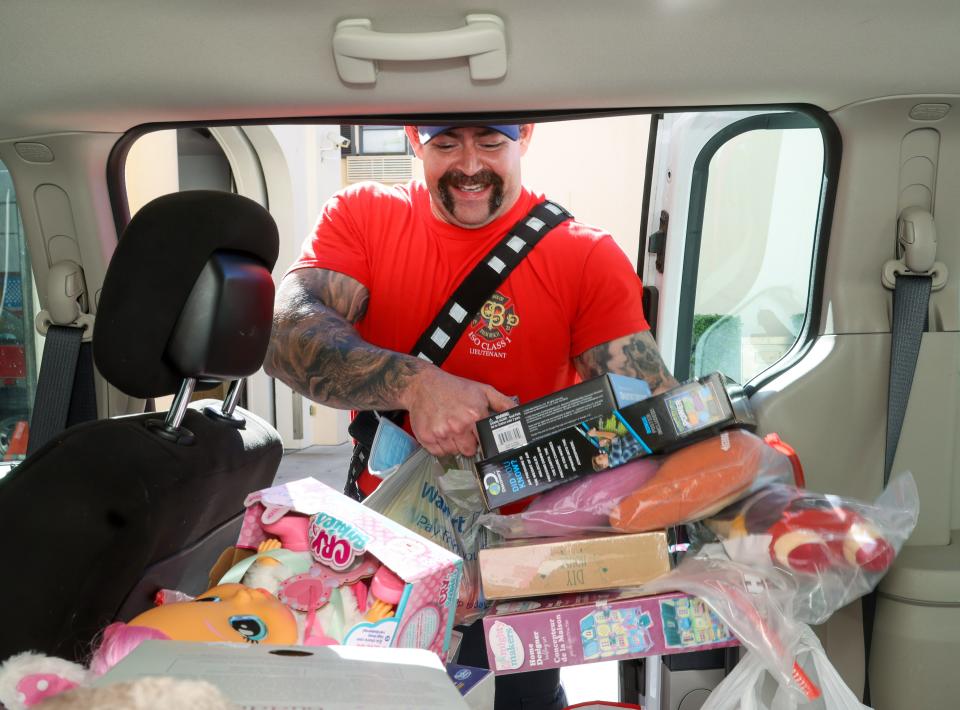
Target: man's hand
316,350
444,410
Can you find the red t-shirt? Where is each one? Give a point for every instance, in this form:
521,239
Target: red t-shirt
576,289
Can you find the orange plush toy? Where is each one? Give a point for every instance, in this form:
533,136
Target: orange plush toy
700,480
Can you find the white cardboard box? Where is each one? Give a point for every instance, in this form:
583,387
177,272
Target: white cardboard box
305,678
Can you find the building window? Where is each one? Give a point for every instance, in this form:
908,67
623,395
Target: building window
376,140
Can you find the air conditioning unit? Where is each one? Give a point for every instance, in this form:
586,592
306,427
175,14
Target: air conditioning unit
382,168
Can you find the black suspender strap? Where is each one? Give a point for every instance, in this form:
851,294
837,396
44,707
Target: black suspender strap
443,333
440,337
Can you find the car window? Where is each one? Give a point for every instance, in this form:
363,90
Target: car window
754,212
19,344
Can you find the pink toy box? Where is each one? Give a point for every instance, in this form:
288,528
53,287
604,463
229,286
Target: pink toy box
567,630
341,530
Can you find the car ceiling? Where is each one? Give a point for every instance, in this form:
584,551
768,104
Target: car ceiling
110,65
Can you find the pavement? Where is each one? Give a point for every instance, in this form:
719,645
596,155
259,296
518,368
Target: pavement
328,464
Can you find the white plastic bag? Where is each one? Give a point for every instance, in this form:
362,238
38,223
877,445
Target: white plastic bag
414,497
767,605
748,687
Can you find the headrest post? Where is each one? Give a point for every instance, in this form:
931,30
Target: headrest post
233,397
179,407
226,412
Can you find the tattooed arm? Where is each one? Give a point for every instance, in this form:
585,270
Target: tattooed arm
634,355
316,351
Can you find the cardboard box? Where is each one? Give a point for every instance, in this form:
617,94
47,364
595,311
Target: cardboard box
424,615
475,685
549,415
528,568
587,628
658,424
305,678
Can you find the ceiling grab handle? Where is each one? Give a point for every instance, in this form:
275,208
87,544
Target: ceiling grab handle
917,244
482,40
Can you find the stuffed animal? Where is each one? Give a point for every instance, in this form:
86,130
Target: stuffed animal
700,480
32,680
809,533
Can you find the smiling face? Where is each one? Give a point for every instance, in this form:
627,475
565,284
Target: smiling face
229,612
472,173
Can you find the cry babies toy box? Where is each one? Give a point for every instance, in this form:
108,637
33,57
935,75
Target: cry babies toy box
353,576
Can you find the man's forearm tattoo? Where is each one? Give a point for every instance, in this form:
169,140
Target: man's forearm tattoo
634,355
316,350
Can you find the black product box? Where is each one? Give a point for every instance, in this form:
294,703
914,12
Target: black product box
687,413
561,410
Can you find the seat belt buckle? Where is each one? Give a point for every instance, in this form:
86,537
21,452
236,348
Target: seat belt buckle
66,302
917,246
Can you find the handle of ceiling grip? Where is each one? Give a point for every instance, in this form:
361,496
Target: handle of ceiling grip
482,40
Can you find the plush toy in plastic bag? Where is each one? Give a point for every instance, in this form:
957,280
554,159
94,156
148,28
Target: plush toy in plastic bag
414,497
582,505
767,603
834,549
653,493
746,688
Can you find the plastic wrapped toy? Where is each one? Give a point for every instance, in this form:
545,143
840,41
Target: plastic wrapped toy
767,602
656,492
701,479
584,504
836,549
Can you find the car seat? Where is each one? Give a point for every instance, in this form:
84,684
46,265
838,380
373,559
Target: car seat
107,513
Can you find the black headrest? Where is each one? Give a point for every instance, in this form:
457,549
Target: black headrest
202,254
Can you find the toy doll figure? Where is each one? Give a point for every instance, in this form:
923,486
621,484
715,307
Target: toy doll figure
225,613
229,612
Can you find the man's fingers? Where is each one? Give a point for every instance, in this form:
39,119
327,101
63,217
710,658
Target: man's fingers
466,444
499,402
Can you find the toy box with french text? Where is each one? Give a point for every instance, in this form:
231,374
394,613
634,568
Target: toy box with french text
551,632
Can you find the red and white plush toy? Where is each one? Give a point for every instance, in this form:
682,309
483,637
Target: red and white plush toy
810,533
812,540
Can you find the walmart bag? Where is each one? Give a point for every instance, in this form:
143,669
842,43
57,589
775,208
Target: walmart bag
415,498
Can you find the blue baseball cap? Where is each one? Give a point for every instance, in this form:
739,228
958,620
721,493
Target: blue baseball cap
428,132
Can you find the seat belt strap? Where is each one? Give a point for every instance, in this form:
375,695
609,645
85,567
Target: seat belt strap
66,392
911,299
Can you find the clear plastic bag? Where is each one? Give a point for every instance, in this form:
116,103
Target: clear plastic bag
582,505
746,687
835,549
414,496
767,604
652,493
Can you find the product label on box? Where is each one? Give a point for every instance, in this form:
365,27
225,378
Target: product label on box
619,629
379,635
334,542
693,408
552,414
466,678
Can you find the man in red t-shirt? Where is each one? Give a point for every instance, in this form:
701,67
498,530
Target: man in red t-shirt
383,260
